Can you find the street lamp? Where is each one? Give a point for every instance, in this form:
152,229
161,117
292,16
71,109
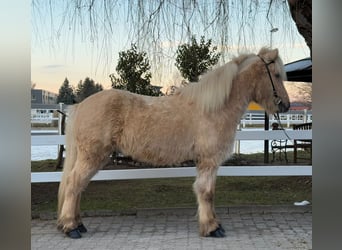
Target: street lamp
272,31
267,119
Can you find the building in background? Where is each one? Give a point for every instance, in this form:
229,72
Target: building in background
40,96
43,107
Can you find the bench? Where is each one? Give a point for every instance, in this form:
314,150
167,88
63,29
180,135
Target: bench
302,144
281,146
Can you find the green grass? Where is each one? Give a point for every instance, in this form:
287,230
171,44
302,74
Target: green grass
43,166
177,192
125,195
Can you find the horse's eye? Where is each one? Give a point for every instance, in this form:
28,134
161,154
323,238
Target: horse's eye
277,75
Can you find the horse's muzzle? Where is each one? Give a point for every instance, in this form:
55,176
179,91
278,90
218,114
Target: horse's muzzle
283,107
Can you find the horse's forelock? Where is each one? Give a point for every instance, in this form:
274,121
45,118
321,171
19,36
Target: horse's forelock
272,55
268,54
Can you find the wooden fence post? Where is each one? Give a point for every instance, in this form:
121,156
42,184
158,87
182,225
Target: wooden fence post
61,131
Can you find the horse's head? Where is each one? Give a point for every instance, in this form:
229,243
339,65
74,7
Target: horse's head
270,92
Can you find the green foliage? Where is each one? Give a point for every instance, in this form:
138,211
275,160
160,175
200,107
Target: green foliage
134,73
194,59
66,93
87,88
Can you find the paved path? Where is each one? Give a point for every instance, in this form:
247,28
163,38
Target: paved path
246,228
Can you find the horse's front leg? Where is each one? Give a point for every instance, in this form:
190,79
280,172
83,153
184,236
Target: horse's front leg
204,188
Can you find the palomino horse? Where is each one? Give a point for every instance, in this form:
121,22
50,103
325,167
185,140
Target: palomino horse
196,123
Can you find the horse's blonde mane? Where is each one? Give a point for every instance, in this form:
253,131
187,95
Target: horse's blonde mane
214,87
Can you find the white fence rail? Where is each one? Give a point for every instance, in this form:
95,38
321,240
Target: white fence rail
288,119
123,174
39,140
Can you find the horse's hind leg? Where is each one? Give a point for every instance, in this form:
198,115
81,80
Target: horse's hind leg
204,188
77,181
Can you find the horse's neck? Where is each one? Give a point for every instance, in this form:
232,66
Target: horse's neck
240,96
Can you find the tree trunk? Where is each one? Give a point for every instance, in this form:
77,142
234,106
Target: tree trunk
301,12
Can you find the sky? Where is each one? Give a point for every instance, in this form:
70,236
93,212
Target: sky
58,53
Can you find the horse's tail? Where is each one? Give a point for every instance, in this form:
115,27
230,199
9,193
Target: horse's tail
70,158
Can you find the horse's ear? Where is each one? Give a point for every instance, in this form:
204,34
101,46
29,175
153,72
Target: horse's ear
273,54
269,55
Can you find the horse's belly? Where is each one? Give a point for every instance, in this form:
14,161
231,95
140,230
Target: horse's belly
159,152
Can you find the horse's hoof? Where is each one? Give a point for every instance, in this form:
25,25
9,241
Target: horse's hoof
218,232
220,226
74,234
82,228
